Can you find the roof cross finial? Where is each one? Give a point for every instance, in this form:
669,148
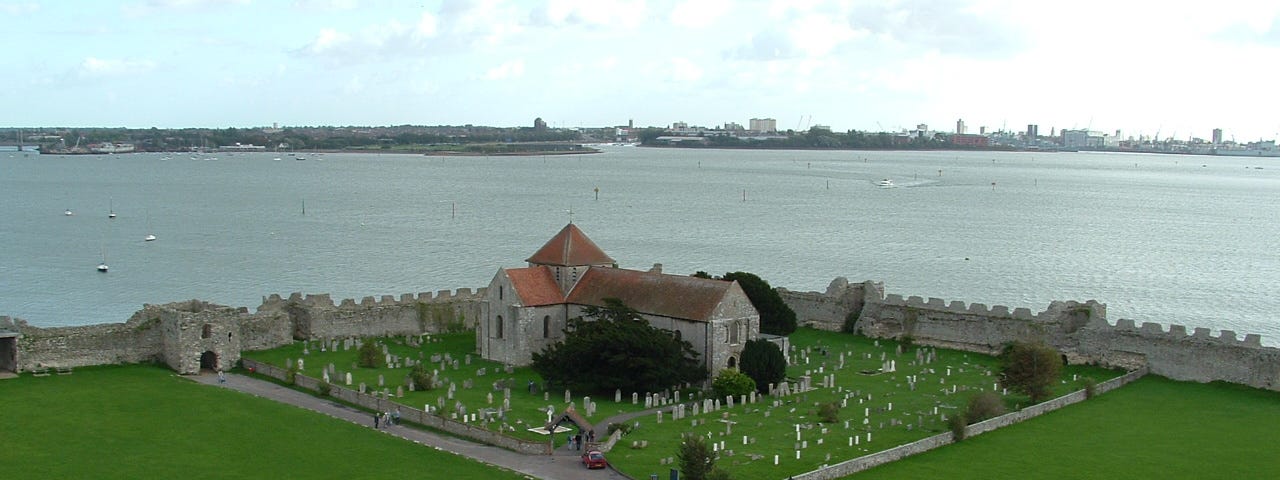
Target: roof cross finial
570,215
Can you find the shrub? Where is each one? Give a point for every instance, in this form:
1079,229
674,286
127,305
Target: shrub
371,356
291,376
829,412
422,379
324,388
983,406
1030,369
625,427
732,382
957,424
850,323
1090,387
906,340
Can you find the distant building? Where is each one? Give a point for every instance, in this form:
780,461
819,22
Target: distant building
765,125
966,140
1217,136
731,126
960,127
538,124
1033,131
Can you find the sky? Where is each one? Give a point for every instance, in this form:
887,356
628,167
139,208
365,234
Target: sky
1173,68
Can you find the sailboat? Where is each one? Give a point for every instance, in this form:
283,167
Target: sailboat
111,211
150,236
102,267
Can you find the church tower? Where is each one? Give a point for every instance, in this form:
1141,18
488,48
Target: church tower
569,254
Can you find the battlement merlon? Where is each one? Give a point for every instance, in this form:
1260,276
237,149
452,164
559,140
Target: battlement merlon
1177,332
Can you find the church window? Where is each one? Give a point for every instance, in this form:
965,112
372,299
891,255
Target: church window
546,326
734,332
207,331
500,288
497,327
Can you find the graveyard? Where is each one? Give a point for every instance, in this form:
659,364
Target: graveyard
888,395
144,421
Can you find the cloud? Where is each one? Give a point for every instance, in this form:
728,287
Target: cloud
15,9
589,13
698,13
948,26
99,67
511,69
684,70
160,6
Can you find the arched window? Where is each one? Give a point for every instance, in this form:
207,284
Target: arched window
207,331
546,326
500,288
497,327
733,362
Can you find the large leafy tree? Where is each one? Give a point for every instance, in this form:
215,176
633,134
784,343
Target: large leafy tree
775,316
1030,368
764,362
613,347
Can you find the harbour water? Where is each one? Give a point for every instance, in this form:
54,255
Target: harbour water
1161,238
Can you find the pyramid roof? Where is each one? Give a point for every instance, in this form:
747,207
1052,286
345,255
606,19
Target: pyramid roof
570,248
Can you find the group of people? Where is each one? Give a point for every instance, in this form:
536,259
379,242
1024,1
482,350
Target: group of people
574,442
386,419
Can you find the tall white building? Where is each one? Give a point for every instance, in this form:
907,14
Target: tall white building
763,125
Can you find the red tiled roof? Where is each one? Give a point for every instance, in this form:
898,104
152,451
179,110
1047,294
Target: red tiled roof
570,248
535,285
673,296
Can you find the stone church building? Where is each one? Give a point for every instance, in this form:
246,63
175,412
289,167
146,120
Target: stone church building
526,309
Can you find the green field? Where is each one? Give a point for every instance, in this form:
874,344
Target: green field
1154,428
147,422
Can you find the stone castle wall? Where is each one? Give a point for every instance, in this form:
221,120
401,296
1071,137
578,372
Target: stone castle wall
1078,329
182,334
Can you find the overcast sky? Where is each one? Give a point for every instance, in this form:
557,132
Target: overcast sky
1175,67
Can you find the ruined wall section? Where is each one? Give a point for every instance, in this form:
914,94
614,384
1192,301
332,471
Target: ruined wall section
828,310
137,340
316,316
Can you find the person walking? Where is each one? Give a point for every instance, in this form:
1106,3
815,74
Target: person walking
375,419
222,376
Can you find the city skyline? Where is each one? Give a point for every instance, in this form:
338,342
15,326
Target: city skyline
1179,70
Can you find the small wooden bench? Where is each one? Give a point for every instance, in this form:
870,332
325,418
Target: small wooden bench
64,370
40,372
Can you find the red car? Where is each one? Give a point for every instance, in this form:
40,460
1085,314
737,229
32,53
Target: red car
594,459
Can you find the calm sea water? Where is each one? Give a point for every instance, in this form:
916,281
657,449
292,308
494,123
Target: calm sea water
1169,239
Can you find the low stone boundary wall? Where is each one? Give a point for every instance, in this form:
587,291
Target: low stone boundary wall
920,446
407,413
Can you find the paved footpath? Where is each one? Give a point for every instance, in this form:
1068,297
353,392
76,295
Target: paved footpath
562,464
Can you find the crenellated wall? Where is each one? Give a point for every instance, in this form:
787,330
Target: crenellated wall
192,335
316,316
1078,329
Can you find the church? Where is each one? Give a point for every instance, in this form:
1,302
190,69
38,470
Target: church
526,309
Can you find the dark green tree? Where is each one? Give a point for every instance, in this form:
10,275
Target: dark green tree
764,362
613,347
776,317
696,459
1030,368
370,355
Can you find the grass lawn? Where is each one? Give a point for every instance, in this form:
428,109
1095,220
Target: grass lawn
1154,428
143,421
